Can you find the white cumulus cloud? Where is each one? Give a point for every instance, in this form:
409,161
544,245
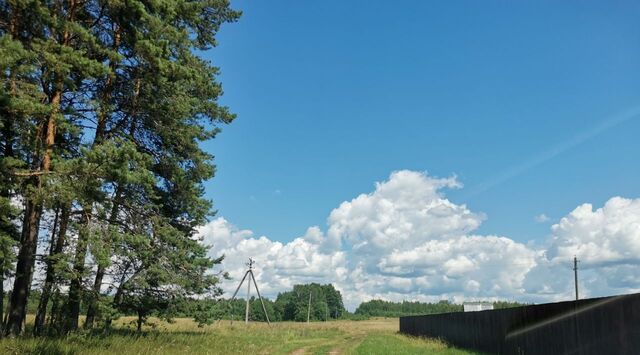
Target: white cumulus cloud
607,243
541,218
406,240
280,265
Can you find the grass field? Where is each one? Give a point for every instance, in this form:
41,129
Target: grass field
376,336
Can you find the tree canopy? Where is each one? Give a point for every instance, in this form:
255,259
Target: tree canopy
326,304
104,105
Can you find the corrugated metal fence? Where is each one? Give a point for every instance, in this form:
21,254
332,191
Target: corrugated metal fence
608,325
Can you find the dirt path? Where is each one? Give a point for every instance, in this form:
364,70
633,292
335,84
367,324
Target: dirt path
353,333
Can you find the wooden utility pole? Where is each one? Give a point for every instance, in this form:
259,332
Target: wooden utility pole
575,274
249,273
246,311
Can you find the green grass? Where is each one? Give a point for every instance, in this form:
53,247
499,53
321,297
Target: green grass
400,344
378,336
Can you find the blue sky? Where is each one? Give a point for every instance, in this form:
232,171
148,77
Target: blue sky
333,96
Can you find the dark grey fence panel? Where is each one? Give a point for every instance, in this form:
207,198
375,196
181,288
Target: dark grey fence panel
608,325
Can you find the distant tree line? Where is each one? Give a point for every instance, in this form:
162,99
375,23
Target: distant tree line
103,109
326,304
380,308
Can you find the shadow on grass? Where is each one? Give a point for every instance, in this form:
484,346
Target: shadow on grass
96,337
438,342
53,348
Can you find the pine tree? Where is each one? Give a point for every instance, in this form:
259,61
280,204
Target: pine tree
104,105
48,43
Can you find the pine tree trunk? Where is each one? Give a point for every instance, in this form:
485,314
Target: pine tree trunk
117,299
140,319
31,227
6,194
97,284
57,245
8,118
24,267
1,303
42,306
33,210
6,313
54,316
81,250
93,305
75,287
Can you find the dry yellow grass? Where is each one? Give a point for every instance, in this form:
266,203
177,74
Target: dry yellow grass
183,336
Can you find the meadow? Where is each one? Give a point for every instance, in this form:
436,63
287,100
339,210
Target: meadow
183,336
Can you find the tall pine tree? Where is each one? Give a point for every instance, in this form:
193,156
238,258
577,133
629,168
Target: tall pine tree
104,105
